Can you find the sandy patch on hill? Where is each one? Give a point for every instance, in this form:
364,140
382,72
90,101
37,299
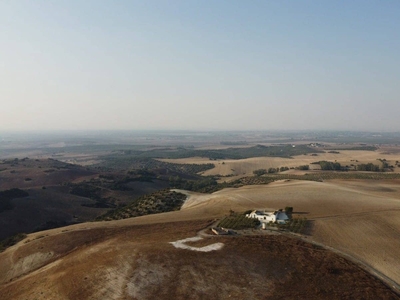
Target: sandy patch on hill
138,262
29,263
181,244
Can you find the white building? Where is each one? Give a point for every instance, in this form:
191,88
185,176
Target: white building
279,217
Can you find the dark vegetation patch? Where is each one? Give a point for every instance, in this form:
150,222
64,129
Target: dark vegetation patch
364,148
117,189
369,167
10,241
130,161
50,163
319,176
303,167
46,209
330,166
284,150
8,195
238,221
202,185
297,225
260,172
158,202
88,190
52,224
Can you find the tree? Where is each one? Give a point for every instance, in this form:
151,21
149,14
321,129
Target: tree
288,209
303,167
260,172
368,167
327,165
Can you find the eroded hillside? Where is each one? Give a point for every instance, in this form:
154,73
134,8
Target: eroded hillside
139,262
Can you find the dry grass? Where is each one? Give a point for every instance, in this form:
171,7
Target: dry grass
133,257
372,238
357,217
245,167
138,262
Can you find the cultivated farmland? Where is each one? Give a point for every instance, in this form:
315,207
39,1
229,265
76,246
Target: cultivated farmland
245,167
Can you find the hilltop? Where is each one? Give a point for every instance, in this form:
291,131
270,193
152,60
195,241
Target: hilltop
134,258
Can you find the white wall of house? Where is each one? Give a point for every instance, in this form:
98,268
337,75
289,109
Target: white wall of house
266,217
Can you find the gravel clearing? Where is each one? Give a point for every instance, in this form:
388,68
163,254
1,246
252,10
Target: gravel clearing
181,245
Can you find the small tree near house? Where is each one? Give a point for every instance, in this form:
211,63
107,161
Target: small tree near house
288,209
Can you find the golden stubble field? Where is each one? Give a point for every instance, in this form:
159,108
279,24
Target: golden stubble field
360,218
245,167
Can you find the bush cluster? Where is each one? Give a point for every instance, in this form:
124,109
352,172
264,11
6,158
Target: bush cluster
158,202
238,221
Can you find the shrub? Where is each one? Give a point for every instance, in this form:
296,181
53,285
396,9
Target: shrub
12,240
368,167
238,221
260,172
303,167
273,170
288,209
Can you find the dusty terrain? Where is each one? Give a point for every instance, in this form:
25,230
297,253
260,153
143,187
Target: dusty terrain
358,217
139,262
134,258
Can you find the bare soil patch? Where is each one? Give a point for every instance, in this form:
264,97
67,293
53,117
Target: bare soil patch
139,262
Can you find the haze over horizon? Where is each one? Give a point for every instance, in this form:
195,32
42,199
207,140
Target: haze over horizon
209,65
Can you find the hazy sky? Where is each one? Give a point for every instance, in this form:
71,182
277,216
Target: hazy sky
200,64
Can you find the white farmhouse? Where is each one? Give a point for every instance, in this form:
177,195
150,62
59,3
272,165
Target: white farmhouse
279,217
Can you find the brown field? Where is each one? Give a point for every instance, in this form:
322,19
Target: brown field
245,167
138,262
123,259
361,218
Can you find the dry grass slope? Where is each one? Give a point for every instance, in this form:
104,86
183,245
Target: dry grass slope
245,167
138,262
